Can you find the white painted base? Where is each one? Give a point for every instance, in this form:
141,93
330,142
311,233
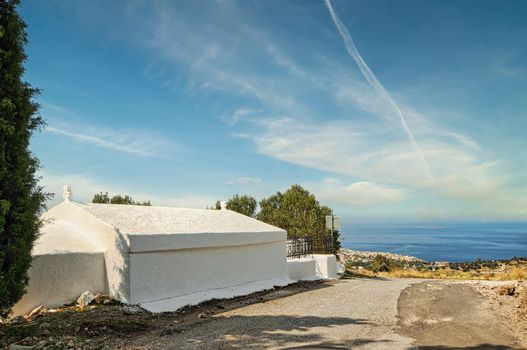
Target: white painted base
172,304
317,266
326,266
302,269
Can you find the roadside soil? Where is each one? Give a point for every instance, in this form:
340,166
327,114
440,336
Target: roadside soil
453,315
508,299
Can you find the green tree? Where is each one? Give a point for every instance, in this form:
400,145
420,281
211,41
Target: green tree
245,205
118,199
298,212
216,206
101,198
21,198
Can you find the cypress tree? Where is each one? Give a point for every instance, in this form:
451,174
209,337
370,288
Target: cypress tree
21,198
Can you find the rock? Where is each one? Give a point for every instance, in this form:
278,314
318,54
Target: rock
85,299
41,310
41,344
100,298
43,329
107,301
2,334
18,320
132,310
506,290
203,315
20,347
220,306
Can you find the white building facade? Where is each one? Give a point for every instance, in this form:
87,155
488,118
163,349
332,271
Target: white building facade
161,258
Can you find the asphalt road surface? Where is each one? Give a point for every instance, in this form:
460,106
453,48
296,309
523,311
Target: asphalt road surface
353,314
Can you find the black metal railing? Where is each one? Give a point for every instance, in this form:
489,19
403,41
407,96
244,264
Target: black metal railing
305,246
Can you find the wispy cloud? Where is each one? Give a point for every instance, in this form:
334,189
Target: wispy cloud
84,186
241,114
245,180
313,111
143,143
140,142
375,83
359,194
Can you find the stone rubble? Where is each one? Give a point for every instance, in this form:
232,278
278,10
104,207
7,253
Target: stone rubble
85,299
132,310
507,290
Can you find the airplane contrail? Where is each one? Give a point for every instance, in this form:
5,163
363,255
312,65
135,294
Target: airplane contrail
374,82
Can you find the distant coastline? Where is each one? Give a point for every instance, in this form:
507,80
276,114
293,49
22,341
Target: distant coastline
452,242
364,263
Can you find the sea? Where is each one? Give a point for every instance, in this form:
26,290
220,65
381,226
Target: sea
452,242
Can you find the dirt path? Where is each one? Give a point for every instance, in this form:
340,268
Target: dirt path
452,315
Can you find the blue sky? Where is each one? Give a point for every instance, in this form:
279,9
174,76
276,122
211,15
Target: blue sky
186,102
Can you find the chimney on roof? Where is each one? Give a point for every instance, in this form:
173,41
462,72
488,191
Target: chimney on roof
67,193
223,205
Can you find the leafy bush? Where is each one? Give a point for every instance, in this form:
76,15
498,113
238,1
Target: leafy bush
380,264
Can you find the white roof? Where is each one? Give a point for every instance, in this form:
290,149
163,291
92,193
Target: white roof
135,219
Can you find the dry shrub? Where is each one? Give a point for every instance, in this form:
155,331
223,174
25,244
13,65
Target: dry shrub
512,273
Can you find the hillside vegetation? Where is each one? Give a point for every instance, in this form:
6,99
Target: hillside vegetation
397,266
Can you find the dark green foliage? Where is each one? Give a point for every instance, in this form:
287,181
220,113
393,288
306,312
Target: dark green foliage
298,212
245,205
21,199
118,199
216,206
101,198
478,264
380,264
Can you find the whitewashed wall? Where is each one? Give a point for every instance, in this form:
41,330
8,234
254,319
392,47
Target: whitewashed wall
207,266
316,266
57,279
107,238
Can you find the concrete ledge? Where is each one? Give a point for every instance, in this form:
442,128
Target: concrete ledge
302,269
317,266
326,265
172,304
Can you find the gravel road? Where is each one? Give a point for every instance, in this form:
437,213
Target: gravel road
353,314
358,314
345,314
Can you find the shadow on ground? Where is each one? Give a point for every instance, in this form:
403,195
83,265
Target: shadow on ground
259,332
474,347
349,275
328,346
